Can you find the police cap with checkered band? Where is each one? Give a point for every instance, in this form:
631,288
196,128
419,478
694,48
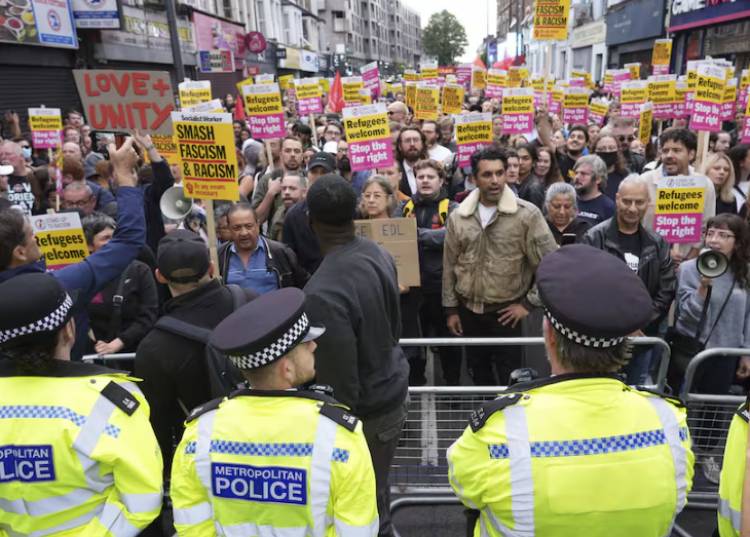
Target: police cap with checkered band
592,297
265,329
32,307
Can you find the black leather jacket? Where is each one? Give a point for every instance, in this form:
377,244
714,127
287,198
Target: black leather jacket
655,267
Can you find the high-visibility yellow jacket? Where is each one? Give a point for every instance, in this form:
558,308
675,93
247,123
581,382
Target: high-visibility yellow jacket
282,463
78,456
733,475
574,455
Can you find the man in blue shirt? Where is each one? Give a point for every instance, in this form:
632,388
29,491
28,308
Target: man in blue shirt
255,262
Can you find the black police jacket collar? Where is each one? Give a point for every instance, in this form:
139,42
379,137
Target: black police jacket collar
58,368
538,383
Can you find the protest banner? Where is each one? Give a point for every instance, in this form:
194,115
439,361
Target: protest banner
371,78
126,100
428,71
285,82
709,94
729,104
745,138
662,93
496,80
410,94
167,148
351,86
635,70
619,77
46,128
633,94
661,56
743,89
264,79
598,111
453,99
517,76
309,96
542,86
369,137
551,20
364,96
556,101
398,237
193,92
427,104
678,213
585,75
608,82
213,106
60,238
410,75
473,132
478,78
576,106
463,74
679,109
518,110
645,123
208,160
264,110
692,82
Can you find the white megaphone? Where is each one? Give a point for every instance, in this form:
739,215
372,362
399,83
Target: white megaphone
711,263
174,205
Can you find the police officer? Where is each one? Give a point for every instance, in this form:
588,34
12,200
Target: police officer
77,453
734,482
579,453
273,460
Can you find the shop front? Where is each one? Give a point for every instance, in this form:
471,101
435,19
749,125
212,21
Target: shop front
632,28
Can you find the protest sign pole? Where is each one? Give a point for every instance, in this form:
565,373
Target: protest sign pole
208,205
311,121
547,67
702,149
269,155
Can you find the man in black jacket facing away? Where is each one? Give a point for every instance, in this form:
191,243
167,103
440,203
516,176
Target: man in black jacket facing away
645,252
354,294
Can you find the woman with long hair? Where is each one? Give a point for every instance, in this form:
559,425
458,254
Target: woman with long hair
378,199
718,167
608,149
545,167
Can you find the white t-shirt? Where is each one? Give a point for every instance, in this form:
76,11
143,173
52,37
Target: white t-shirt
486,214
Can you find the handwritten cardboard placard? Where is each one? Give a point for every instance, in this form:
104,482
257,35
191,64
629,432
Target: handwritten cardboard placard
398,237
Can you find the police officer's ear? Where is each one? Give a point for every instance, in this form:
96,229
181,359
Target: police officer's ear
550,338
160,277
66,337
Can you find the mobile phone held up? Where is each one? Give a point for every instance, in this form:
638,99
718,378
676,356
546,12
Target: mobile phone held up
100,140
568,238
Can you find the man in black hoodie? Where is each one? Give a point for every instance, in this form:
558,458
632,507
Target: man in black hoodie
354,294
431,207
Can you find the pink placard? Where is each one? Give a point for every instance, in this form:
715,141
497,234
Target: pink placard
370,154
493,91
463,75
312,105
555,107
660,69
46,139
518,123
267,126
466,150
689,102
727,110
371,79
576,116
630,109
679,228
745,130
706,116
664,111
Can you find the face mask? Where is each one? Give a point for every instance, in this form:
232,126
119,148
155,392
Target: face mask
609,157
26,152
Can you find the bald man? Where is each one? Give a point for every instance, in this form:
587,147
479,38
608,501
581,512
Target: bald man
397,111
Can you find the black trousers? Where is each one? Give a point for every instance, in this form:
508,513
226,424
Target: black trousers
481,359
432,319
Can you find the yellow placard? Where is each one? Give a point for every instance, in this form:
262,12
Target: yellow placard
411,94
428,73
551,20
517,76
558,94
745,78
475,131
635,70
167,148
247,82
634,95
710,84
661,91
286,82
411,75
325,84
496,77
45,123
192,96
453,99
478,79
208,157
691,200
427,101
518,104
662,52
598,109
575,100
692,79
351,91
60,239
261,104
584,75
645,123
308,90
368,127
365,96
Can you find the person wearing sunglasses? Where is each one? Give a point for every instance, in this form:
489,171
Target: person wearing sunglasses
623,129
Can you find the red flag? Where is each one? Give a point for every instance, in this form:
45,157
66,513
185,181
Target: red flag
239,108
336,95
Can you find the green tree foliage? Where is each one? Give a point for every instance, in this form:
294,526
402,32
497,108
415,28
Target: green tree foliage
444,38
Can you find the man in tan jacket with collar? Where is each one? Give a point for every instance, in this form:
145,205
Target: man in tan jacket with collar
493,245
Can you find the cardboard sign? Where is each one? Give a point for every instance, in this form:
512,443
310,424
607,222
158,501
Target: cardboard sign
126,100
167,148
60,238
645,123
46,127
194,92
598,111
473,132
551,20
709,94
633,94
497,79
661,56
678,213
478,78
453,99
661,92
576,106
371,78
518,110
351,86
398,237
369,137
309,96
428,100
264,110
207,155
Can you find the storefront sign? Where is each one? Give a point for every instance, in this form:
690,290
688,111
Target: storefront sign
46,127
634,20
217,34
216,61
473,133
369,137
96,14
38,22
687,14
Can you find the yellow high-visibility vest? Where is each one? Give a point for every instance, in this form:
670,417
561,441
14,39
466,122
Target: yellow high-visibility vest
733,475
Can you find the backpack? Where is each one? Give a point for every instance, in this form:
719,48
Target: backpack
223,376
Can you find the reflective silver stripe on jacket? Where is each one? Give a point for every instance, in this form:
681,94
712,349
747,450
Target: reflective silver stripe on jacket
671,427
244,530
521,480
458,487
320,473
46,506
203,456
192,516
70,524
113,518
726,511
347,530
142,503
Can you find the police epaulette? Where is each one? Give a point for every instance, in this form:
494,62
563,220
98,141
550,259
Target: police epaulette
121,398
340,415
676,401
202,409
743,412
480,416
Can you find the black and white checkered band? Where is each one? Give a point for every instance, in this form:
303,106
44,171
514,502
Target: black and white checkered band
583,339
50,323
275,350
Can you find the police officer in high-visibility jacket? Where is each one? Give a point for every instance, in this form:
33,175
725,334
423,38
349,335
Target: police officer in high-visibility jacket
734,484
273,460
579,453
77,453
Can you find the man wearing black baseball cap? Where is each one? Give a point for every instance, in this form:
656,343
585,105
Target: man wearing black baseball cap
171,358
579,453
75,443
297,233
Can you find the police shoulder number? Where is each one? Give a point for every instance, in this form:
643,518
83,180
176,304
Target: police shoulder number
340,415
205,407
480,416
